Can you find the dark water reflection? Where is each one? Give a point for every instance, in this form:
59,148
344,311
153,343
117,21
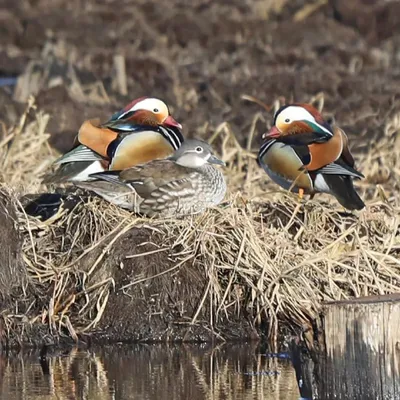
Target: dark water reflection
150,372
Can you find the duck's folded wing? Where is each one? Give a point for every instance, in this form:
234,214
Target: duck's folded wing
78,154
147,178
340,168
341,186
108,176
155,175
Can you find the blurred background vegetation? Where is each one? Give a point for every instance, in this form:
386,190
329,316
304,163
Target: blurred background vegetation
86,58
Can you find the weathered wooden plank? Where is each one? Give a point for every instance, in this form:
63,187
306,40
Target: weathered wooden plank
362,349
12,270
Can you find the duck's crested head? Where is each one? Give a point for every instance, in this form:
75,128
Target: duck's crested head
195,153
297,118
148,111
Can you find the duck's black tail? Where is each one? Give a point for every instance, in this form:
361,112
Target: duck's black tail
45,205
65,172
343,189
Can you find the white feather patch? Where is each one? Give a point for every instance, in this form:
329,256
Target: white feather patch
321,185
93,168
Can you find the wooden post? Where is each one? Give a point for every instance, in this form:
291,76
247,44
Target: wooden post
362,349
12,270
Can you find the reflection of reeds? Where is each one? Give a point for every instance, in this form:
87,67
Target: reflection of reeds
260,251
79,375
268,378
158,372
207,373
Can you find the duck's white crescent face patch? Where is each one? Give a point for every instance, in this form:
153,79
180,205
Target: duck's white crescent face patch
297,113
294,113
156,106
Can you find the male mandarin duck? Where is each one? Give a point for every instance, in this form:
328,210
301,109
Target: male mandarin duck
185,183
144,130
304,153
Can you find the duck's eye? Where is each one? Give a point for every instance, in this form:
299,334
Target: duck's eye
287,120
156,110
199,149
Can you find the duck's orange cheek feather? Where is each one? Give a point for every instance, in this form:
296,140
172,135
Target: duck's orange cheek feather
144,117
295,128
299,127
97,139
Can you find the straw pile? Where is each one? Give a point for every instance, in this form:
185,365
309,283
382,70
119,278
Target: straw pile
261,254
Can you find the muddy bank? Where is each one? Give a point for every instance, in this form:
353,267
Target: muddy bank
257,266
100,275
134,286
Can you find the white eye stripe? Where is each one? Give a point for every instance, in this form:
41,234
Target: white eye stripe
151,104
295,113
324,129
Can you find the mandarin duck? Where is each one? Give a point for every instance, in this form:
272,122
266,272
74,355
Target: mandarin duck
144,130
304,153
185,183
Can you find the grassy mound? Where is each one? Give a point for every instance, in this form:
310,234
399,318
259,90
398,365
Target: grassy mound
257,260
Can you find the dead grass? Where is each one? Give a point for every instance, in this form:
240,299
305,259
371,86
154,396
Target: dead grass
261,250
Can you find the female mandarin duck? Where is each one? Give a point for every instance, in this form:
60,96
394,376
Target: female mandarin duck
185,183
144,130
304,153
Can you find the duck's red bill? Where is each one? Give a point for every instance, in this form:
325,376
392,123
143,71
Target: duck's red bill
170,121
272,134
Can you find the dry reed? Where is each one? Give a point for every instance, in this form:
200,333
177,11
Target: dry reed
261,250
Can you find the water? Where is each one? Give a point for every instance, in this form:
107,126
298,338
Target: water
150,372
8,81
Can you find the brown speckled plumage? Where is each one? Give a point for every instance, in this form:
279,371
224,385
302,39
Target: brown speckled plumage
165,187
